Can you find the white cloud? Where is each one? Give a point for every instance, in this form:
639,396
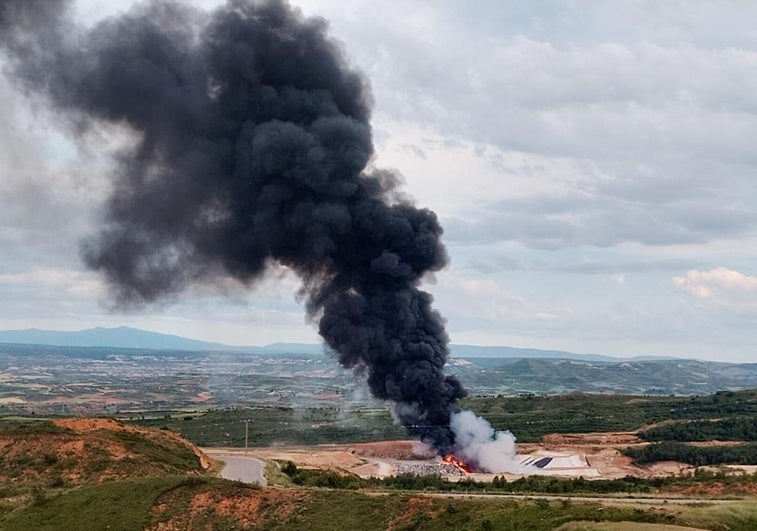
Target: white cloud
615,278
53,282
720,284
480,302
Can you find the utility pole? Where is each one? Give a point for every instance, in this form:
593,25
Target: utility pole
246,435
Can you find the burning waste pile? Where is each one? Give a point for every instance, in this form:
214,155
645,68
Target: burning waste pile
252,151
446,468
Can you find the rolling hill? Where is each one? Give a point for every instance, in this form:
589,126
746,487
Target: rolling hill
126,337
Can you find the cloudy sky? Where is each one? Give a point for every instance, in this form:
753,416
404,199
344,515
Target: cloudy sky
592,163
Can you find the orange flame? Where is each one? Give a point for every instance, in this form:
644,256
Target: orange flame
462,465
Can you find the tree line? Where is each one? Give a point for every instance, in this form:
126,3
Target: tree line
741,428
499,484
742,454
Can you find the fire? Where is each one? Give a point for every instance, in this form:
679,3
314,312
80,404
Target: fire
462,465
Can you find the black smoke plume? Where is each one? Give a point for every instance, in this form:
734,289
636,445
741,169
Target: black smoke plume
254,150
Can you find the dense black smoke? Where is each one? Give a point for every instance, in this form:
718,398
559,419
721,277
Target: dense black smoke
254,151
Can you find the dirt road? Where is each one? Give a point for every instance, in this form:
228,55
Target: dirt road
606,499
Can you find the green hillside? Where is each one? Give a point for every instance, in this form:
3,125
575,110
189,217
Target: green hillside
201,504
97,474
68,452
530,417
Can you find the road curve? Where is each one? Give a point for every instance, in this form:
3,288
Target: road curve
240,468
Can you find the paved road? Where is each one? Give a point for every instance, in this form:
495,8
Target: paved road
240,468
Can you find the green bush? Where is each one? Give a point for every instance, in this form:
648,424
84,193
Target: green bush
739,428
743,454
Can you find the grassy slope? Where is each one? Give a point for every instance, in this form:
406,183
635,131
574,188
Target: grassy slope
116,506
43,452
129,505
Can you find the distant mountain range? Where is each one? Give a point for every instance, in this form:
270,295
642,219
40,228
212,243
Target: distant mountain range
125,337
474,351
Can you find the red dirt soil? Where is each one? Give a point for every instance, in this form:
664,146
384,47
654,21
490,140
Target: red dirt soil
84,425
87,450
245,507
414,506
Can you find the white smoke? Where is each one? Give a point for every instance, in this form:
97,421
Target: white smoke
421,450
491,451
